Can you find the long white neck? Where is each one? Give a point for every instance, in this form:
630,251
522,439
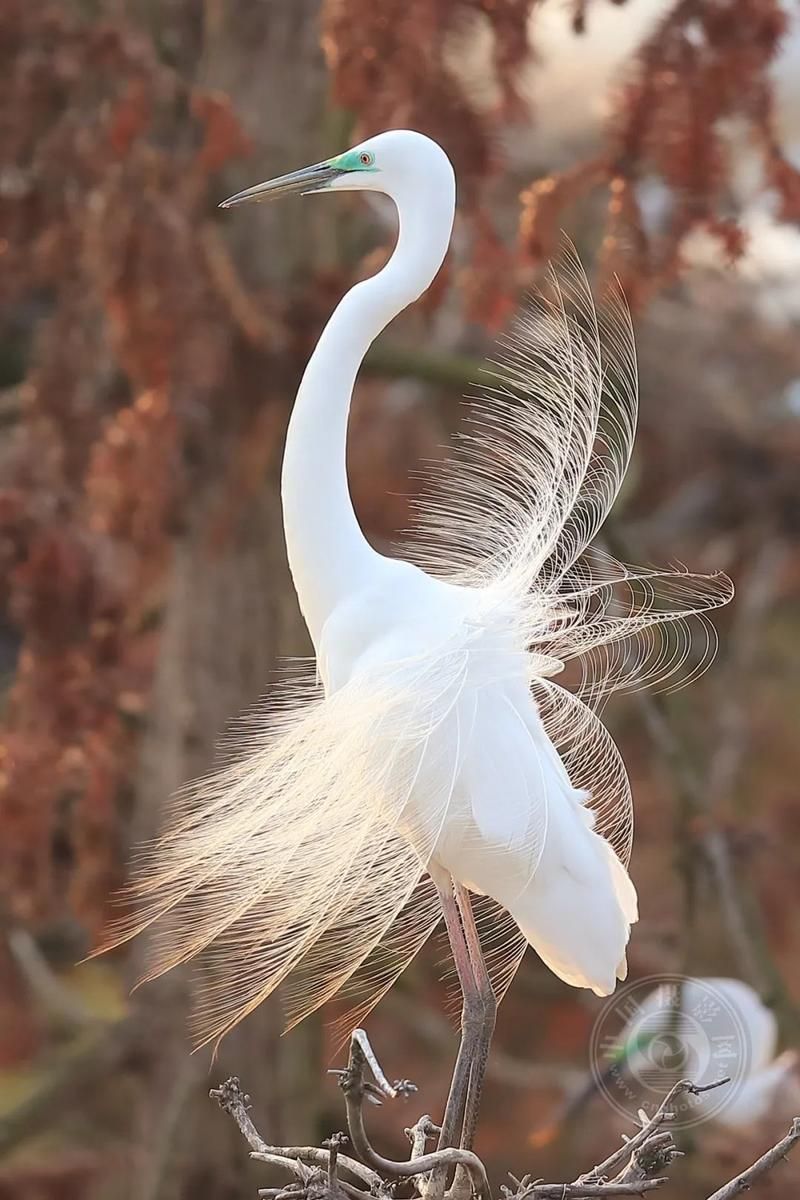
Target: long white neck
329,556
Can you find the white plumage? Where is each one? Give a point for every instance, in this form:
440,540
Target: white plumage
738,1038
431,739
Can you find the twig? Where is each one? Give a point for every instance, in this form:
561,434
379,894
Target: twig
755,598
638,1161
268,332
575,1191
585,1191
419,1134
298,1159
648,1152
402,1087
756,595
458,373
657,1153
760,1167
332,1145
662,1114
356,1089
260,330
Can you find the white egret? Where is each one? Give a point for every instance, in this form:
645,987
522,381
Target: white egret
428,762
706,1028
723,1028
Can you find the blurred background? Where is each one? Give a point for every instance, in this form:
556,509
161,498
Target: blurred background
150,348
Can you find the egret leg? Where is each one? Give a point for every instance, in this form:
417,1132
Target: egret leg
488,1016
471,1013
477,1016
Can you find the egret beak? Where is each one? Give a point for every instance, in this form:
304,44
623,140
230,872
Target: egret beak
309,179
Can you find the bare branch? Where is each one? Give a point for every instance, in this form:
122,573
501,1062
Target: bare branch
662,1114
648,1152
356,1089
743,1182
259,329
585,1191
639,1162
297,1159
333,1144
419,1134
401,1087
155,1168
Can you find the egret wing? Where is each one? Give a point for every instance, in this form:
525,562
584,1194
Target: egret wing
301,855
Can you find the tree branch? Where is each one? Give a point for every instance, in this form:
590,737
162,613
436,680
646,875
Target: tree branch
662,1114
356,1089
297,1159
745,1181
639,1162
649,1151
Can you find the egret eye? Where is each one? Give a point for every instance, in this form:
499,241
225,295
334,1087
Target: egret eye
366,159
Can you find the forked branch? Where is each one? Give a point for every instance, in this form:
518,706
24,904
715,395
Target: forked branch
299,1160
356,1089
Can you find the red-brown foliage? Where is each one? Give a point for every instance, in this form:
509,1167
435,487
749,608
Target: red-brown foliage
705,65
102,230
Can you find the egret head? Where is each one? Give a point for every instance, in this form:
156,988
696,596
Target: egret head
389,162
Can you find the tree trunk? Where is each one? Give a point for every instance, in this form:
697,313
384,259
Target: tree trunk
230,613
